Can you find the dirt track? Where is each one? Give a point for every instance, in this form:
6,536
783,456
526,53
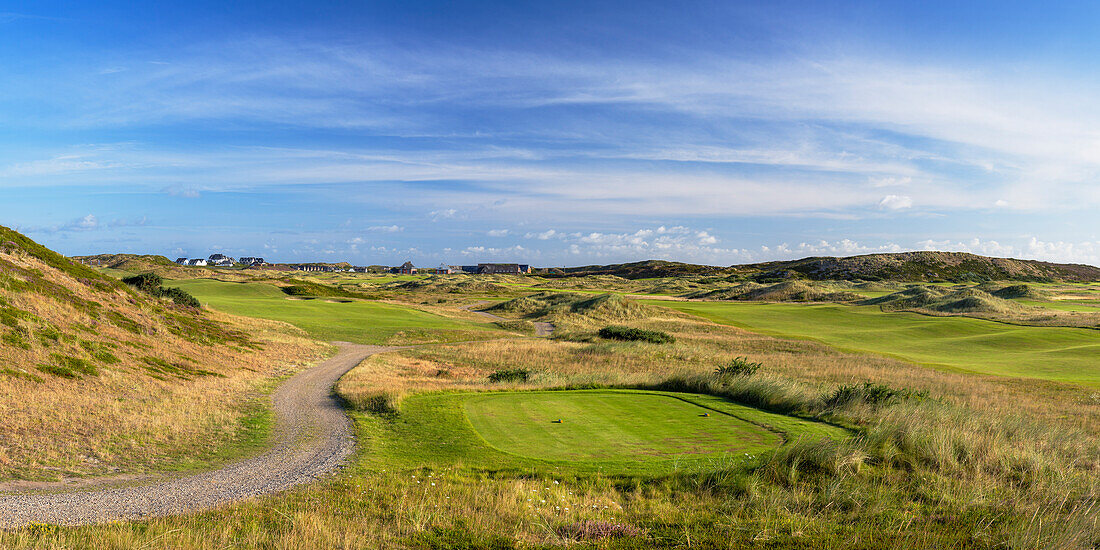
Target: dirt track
312,438
542,328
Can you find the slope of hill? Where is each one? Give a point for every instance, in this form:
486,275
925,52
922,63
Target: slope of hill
904,266
126,262
645,270
787,291
573,308
933,299
107,378
928,266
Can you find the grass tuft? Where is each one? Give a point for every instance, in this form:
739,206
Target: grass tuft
615,332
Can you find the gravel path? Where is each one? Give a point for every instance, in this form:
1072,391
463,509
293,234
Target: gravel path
542,328
312,438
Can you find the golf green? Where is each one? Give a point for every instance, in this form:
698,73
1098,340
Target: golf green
602,425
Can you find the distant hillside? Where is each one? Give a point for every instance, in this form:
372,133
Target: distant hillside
904,266
926,266
645,269
126,262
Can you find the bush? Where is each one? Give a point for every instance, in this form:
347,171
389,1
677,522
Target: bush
740,366
636,335
510,375
150,283
874,394
181,297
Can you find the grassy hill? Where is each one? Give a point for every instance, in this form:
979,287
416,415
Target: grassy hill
647,269
904,266
126,262
107,378
927,266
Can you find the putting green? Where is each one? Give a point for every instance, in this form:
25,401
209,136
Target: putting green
615,425
609,431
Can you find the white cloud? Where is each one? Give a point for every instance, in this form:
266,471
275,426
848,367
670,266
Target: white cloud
545,235
498,232
895,202
1032,248
437,215
86,223
182,190
826,114
515,253
890,181
386,228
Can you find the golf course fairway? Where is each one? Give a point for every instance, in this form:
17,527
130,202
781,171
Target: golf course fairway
358,321
951,343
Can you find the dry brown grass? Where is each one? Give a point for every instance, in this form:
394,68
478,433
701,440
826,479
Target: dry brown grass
164,400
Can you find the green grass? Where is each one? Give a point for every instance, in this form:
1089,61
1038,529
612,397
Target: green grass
625,432
362,322
1065,305
606,425
950,343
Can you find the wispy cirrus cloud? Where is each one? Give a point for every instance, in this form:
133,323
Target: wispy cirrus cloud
809,141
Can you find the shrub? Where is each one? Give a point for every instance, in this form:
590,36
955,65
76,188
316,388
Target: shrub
180,297
740,366
510,375
150,283
615,332
870,393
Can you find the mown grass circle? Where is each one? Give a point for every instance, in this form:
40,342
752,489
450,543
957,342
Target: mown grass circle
610,425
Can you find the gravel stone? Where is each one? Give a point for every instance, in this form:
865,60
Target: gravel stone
313,437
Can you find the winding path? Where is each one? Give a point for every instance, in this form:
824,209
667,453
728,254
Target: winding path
542,328
312,437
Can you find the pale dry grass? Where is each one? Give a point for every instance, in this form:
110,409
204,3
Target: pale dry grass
129,417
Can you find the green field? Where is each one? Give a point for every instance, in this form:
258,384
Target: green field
612,431
1065,305
363,322
957,343
609,425
952,343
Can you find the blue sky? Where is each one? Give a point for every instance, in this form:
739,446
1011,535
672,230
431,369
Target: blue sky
554,133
